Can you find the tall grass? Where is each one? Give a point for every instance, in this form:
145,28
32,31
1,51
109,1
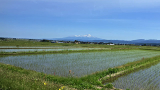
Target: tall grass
15,78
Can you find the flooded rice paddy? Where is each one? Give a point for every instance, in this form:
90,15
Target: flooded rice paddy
146,79
35,49
79,63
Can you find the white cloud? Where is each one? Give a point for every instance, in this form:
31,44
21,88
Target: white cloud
77,35
87,35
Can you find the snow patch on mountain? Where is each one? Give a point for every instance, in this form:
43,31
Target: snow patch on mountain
87,35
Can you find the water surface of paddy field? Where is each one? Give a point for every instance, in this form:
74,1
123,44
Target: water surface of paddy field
32,50
35,47
79,63
144,79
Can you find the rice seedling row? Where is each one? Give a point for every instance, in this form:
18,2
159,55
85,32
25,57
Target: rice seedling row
146,79
80,64
45,49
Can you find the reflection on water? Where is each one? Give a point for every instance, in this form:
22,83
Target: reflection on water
26,50
145,79
36,47
45,49
79,63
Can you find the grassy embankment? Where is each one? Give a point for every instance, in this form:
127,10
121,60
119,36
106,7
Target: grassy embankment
74,51
33,44
18,78
15,78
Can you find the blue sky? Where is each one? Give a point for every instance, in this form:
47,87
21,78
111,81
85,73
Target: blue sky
106,19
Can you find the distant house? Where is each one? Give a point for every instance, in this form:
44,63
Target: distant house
53,41
60,42
68,42
85,42
110,44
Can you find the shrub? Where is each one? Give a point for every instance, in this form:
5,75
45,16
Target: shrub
109,85
114,70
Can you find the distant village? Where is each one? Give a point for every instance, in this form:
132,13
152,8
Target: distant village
80,42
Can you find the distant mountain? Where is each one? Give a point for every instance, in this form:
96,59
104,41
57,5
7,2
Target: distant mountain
90,38
114,41
87,37
146,41
139,41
